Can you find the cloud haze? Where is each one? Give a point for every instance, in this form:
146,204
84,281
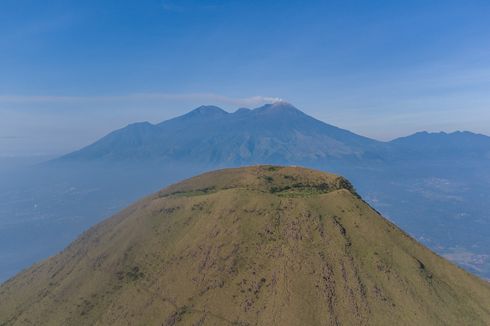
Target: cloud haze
200,97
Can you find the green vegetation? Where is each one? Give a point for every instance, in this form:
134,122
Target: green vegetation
262,245
193,192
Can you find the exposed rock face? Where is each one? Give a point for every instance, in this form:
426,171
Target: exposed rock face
262,245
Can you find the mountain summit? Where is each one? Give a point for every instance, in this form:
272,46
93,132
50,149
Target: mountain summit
208,111
262,245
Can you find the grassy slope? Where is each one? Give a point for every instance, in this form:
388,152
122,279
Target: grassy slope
259,245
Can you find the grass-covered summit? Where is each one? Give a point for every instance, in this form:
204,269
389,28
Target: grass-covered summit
261,245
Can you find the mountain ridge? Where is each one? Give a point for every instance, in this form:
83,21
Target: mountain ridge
272,133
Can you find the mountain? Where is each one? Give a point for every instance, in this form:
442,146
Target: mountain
441,145
262,245
435,186
276,132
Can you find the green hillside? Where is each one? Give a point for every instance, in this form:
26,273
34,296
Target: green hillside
260,245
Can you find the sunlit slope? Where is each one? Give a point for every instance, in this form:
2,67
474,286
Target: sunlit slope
260,245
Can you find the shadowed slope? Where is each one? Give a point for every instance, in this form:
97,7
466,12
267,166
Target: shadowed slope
261,245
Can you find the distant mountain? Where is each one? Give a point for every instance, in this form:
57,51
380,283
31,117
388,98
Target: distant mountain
273,133
443,145
263,245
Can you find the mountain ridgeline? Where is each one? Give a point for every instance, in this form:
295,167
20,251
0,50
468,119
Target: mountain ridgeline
273,133
262,245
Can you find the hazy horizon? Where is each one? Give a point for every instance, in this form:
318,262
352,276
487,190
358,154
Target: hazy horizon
20,146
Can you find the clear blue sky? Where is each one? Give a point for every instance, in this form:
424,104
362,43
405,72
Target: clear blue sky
70,71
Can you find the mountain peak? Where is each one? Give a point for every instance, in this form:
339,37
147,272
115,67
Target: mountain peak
208,111
280,107
242,111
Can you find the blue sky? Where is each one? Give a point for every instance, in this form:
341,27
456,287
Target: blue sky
70,71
